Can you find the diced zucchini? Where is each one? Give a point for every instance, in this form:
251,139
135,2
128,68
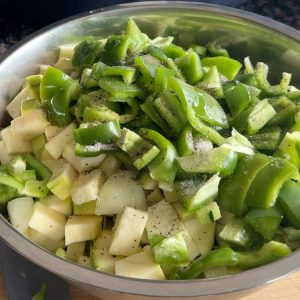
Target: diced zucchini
64,64
208,213
82,228
52,131
66,51
35,188
55,166
120,190
86,187
147,182
87,208
47,221
38,145
84,261
60,252
170,196
140,265
62,206
4,156
182,213
28,105
154,196
128,232
110,165
74,251
20,211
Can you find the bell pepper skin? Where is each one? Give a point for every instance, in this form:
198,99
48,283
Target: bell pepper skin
90,133
184,143
233,190
289,202
228,67
215,49
101,114
94,150
127,73
85,53
174,51
115,49
98,70
161,79
267,183
163,168
7,193
42,171
267,139
11,182
264,221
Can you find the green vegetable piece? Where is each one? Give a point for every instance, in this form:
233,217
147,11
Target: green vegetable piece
200,50
115,49
170,109
215,49
16,166
211,83
287,149
171,250
215,258
174,51
28,105
7,193
185,143
128,73
11,181
41,170
163,168
41,295
289,201
94,150
237,99
264,221
220,159
34,82
196,192
38,145
265,188
209,213
141,151
261,74
100,114
237,232
233,190
87,79
269,252
119,89
85,53
35,188
161,79
190,66
92,133
138,40
98,70
157,53
228,67
60,252
267,139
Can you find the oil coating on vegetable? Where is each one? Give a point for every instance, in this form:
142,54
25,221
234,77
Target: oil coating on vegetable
141,158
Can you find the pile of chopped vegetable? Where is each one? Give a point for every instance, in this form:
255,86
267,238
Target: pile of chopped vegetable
140,158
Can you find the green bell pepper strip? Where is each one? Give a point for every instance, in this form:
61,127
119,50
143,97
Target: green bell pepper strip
200,50
98,70
170,109
85,53
162,41
12,182
7,193
42,171
267,183
36,189
233,190
215,49
215,258
115,49
228,67
269,252
128,73
138,40
267,139
211,83
101,114
238,99
261,74
141,151
264,221
174,51
91,133
34,82
119,89
190,67
94,150
157,53
189,98
161,79
87,80
289,202
287,149
220,159
185,143
163,168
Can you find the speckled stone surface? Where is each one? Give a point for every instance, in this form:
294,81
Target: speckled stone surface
285,11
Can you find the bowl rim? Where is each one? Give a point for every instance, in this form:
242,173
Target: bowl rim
187,288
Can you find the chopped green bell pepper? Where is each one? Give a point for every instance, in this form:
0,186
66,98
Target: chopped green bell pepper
41,170
7,193
94,150
128,73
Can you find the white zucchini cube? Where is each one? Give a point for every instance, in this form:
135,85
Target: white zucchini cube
87,208
62,206
61,184
110,165
56,144
74,251
30,125
81,164
66,50
20,211
13,143
4,156
51,131
86,187
119,191
140,265
48,222
55,166
128,232
82,228
84,261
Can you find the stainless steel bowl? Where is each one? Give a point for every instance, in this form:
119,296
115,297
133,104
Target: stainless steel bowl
242,33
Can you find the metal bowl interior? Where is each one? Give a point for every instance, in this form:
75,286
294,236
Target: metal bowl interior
242,33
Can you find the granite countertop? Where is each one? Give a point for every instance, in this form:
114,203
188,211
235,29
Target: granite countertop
285,11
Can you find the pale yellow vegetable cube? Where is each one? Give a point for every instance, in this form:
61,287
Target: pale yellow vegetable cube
51,131
82,228
48,222
62,206
128,232
74,251
4,156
